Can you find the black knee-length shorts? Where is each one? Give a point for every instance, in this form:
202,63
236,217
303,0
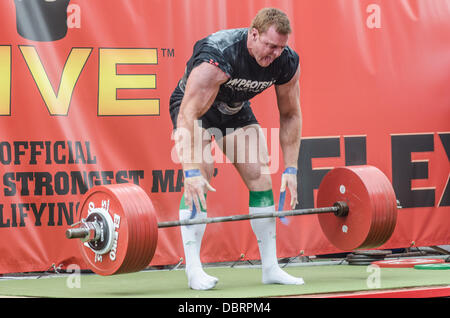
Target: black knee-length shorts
216,122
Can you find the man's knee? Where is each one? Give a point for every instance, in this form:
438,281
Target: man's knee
255,178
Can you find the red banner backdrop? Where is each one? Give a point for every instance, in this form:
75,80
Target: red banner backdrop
84,101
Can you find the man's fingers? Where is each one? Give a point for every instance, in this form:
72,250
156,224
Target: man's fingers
294,202
195,198
209,187
203,202
188,201
293,192
283,183
196,203
195,188
290,181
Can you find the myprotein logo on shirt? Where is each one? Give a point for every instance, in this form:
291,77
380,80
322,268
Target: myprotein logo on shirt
242,84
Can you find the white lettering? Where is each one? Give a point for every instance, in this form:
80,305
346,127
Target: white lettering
245,307
374,279
74,279
374,19
241,84
186,307
113,252
98,258
73,16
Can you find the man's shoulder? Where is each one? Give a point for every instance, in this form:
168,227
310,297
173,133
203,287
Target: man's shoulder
289,51
224,39
289,58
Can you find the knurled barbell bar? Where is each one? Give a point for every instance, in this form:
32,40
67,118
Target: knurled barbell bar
87,232
118,229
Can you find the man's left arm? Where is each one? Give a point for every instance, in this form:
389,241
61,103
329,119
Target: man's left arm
288,100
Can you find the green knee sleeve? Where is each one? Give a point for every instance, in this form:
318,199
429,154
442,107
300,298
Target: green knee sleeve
260,199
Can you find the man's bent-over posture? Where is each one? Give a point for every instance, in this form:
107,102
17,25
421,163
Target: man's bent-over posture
226,70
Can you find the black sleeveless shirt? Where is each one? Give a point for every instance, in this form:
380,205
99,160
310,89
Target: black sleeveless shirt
227,49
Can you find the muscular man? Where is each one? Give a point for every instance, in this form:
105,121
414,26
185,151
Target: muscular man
226,70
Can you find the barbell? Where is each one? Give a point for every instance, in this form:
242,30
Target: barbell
118,227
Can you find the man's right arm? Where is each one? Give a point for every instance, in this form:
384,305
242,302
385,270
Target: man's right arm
201,89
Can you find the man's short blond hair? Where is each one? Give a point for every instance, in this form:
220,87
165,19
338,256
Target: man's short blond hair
267,17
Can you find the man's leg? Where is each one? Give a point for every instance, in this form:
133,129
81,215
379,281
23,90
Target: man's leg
255,174
192,235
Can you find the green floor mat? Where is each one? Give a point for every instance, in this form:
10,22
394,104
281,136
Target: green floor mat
233,283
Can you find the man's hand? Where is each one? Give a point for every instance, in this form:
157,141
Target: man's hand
289,180
195,188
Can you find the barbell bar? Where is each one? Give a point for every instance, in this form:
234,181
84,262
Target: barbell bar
339,209
118,228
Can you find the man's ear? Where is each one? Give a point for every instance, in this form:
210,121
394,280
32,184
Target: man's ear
254,34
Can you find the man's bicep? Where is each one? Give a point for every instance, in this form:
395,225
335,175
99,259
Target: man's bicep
202,87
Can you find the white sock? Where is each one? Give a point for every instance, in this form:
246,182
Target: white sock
265,232
192,240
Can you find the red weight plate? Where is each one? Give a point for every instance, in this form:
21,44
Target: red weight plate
132,251
349,232
369,222
151,223
137,237
148,226
130,197
375,225
142,227
375,194
389,202
390,205
373,191
113,261
375,188
407,262
382,216
152,238
131,215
